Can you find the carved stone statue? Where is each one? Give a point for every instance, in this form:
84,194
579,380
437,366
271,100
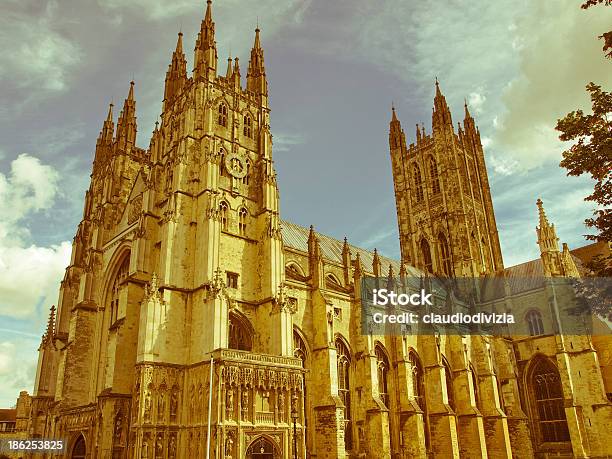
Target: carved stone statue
173,405
229,404
144,449
245,403
229,446
281,405
147,406
161,405
172,447
159,446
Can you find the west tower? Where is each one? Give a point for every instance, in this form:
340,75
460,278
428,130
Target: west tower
443,200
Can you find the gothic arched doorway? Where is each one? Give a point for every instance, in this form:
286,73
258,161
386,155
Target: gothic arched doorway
261,448
79,450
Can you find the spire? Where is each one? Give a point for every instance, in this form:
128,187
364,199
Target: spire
50,331
126,124
441,115
236,74
109,127
228,72
547,235
256,75
418,133
376,264
206,47
396,134
176,76
468,121
346,253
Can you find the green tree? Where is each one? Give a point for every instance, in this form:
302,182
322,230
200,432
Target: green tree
592,154
607,36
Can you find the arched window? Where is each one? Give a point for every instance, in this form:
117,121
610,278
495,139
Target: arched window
433,173
121,275
474,177
418,184
474,378
239,334
79,450
426,256
301,352
344,364
247,126
222,115
261,448
534,322
242,219
299,348
418,390
448,375
223,215
445,260
418,386
547,397
382,364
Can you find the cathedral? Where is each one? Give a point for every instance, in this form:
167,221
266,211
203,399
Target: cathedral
193,322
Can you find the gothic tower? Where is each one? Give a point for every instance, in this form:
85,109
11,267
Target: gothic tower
554,262
443,200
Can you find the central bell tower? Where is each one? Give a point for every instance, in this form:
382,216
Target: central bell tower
443,200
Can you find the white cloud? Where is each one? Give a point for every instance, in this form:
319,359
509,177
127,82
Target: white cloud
29,274
284,142
33,53
558,57
476,101
17,368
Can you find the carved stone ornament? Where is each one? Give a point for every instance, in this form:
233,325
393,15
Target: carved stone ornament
152,288
134,209
236,165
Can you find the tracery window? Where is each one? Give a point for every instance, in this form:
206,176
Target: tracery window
299,348
79,450
534,322
242,218
426,256
343,365
222,115
239,334
382,365
301,352
115,288
418,183
247,126
547,393
435,179
445,260
223,215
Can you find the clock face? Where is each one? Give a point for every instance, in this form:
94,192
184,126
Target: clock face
236,165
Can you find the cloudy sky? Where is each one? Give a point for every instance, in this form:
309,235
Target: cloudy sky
334,67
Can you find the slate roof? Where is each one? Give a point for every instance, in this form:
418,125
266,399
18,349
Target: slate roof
296,237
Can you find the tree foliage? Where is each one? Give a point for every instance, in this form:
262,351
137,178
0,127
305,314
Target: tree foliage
607,36
592,154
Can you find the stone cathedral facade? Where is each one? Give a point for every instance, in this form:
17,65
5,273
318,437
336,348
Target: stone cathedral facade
193,322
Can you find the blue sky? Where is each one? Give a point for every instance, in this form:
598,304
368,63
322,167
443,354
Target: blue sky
334,67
